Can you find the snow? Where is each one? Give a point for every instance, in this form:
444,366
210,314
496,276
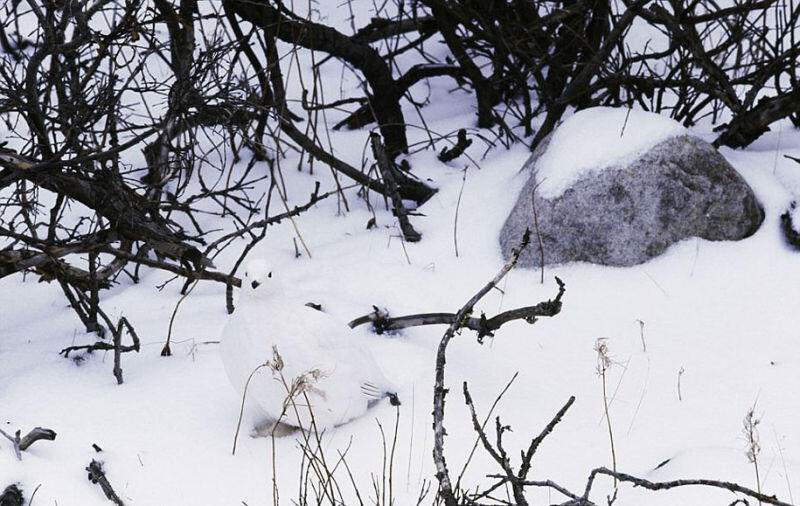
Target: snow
723,313
598,138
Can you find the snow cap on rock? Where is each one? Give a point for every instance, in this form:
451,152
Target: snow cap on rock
597,138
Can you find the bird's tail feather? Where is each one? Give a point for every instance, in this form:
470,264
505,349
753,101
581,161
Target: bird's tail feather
375,394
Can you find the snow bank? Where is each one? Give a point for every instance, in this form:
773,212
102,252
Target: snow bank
596,138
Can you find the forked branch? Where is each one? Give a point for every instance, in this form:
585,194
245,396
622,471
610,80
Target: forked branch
446,492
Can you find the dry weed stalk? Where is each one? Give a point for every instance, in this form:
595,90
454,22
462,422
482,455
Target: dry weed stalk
603,365
750,431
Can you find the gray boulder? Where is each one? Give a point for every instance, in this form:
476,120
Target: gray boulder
624,216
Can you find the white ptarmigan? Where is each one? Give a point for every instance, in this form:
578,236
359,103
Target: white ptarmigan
341,378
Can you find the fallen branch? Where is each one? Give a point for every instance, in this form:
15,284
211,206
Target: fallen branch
98,476
35,435
382,322
23,443
666,485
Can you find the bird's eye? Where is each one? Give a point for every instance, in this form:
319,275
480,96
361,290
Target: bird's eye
269,275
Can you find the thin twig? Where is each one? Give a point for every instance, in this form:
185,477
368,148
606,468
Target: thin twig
458,205
166,351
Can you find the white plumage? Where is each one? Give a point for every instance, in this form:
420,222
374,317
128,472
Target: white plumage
322,361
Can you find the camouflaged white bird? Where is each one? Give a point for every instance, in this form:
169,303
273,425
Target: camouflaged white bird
335,377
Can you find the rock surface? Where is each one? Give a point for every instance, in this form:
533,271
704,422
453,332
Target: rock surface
624,216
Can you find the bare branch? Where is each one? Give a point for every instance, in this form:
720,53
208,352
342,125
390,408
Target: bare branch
98,476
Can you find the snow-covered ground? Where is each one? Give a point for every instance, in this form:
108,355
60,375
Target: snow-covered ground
719,321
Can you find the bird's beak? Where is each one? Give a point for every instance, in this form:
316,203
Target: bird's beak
255,284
